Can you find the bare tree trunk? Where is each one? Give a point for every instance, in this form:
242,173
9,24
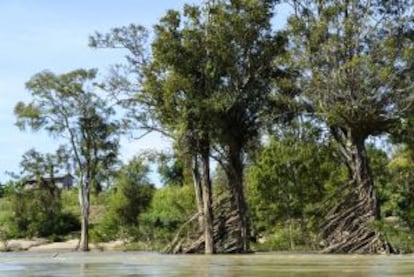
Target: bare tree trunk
85,206
84,242
291,240
198,191
234,174
348,226
207,203
363,176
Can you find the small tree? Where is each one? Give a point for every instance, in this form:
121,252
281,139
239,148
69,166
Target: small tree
130,197
68,106
290,179
246,54
38,210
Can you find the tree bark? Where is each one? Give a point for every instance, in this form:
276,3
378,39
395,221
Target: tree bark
363,176
198,191
234,174
348,226
85,207
207,203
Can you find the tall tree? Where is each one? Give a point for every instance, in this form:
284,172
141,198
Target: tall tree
247,53
174,97
68,106
355,58
207,82
179,84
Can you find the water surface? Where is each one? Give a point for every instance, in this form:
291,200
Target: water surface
152,264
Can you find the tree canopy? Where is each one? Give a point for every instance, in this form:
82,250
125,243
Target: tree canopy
67,106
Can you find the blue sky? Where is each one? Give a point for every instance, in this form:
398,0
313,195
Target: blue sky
46,34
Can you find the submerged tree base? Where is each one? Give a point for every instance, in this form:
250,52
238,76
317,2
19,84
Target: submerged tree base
368,241
227,235
349,228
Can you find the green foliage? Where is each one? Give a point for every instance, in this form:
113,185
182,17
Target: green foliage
283,237
206,80
37,165
401,186
220,182
68,105
401,170
354,65
289,181
171,206
398,235
38,213
5,218
171,170
130,197
70,201
355,73
379,162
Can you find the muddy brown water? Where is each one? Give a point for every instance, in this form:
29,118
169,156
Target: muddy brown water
151,264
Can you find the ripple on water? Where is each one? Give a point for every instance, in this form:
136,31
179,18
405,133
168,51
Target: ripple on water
150,264
4,267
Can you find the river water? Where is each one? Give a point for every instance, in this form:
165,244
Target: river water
151,264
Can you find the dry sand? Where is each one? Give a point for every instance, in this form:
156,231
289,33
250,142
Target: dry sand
44,245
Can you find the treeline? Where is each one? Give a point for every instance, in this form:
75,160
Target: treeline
285,114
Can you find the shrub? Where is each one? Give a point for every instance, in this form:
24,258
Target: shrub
130,197
171,206
38,213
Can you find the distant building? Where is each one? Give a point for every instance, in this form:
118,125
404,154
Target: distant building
63,182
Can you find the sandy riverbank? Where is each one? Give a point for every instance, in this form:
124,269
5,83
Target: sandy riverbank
44,245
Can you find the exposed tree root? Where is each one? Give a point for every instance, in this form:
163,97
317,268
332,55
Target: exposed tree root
226,233
348,228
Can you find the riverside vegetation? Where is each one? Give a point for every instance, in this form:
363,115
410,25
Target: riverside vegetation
291,139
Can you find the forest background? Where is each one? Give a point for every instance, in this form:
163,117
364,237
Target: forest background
309,128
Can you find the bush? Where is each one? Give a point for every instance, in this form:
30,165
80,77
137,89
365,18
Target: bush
130,197
288,181
398,235
287,237
171,206
38,213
